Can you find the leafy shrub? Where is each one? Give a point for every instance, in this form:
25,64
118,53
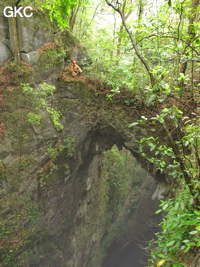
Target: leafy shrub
180,230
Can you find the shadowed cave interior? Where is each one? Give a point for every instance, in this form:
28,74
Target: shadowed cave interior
129,187
134,254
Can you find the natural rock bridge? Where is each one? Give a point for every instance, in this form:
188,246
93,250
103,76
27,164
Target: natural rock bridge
51,186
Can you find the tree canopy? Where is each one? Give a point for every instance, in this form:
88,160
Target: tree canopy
151,48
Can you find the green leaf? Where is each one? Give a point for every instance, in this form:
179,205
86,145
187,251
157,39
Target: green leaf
176,206
133,124
182,205
186,241
161,255
165,206
160,263
186,250
151,98
197,212
170,243
158,211
193,232
165,110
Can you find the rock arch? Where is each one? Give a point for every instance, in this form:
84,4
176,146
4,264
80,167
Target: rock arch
67,200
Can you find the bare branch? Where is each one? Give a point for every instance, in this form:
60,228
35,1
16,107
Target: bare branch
169,36
180,20
133,42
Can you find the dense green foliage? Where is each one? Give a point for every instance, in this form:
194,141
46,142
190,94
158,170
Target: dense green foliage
154,52
60,10
180,231
180,160
162,35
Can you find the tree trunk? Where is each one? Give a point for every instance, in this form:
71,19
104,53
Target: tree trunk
73,16
15,37
134,45
120,32
191,34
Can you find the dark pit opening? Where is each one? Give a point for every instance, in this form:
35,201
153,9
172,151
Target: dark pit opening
130,210
135,254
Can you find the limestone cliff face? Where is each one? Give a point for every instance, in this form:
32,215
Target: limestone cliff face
34,33
52,190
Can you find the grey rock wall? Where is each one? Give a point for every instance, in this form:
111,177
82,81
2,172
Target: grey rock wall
68,199
5,47
34,32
